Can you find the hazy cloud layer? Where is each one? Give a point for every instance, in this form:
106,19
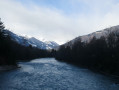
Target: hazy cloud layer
54,23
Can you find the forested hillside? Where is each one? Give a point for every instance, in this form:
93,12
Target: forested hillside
100,53
11,51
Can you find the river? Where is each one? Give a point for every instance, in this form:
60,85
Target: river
49,74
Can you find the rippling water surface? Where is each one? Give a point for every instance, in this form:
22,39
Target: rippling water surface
49,74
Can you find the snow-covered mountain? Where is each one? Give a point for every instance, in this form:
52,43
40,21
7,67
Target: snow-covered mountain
31,41
97,34
43,45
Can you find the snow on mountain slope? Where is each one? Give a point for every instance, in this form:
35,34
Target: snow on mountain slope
31,41
97,34
51,44
43,45
19,39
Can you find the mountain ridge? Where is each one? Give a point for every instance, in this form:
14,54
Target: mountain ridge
86,38
25,41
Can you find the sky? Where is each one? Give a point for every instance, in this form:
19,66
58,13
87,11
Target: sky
58,20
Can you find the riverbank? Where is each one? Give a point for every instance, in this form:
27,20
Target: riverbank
92,69
8,67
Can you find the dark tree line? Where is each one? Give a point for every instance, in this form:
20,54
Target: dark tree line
100,54
11,52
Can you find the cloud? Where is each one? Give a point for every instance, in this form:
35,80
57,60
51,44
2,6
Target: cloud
53,23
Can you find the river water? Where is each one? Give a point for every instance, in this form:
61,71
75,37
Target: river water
49,74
